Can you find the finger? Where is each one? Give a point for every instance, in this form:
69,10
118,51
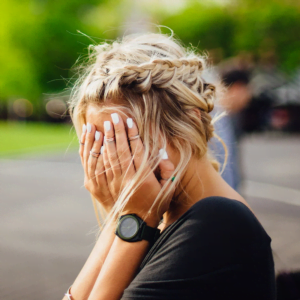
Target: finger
92,161
82,141
107,166
89,141
100,171
166,168
111,150
136,145
122,146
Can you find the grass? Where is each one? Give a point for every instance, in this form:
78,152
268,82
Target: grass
18,138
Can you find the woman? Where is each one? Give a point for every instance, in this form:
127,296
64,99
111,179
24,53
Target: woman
141,110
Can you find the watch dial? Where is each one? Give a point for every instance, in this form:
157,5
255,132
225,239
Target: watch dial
128,227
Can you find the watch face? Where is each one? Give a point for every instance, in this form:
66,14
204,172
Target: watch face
128,227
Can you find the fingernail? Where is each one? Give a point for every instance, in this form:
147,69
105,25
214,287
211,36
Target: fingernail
83,128
163,153
101,149
97,135
107,125
115,118
89,127
129,123
104,140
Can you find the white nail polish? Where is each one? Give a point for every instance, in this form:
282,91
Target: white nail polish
101,150
83,128
163,153
115,118
97,135
104,139
107,125
89,127
129,123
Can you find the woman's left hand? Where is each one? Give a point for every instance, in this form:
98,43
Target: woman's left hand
121,164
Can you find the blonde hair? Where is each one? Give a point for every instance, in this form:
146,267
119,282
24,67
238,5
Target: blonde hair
158,82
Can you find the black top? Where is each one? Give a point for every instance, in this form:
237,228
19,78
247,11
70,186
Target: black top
216,251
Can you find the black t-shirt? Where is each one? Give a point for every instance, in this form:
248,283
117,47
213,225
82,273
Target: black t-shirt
217,250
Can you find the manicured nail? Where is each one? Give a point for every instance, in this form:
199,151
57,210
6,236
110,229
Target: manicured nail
163,154
104,140
102,149
83,128
129,123
115,118
107,125
89,127
97,135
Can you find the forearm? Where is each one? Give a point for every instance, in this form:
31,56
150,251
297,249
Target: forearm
87,277
120,267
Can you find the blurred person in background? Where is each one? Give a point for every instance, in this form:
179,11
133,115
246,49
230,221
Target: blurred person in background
174,228
235,76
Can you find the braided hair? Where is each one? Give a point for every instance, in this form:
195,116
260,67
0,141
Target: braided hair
159,83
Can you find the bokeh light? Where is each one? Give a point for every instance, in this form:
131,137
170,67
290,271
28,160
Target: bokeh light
56,108
22,108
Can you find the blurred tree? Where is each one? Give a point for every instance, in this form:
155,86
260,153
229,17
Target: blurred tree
206,27
263,28
40,43
272,30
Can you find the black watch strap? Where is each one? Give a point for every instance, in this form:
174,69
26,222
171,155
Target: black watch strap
150,234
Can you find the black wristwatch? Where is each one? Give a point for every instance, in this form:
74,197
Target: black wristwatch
131,228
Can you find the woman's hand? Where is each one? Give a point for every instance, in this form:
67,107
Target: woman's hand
121,164
95,179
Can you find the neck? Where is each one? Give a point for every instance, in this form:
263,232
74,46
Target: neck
200,181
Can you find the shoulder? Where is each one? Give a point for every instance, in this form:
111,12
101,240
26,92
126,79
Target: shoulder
219,221
226,216
215,233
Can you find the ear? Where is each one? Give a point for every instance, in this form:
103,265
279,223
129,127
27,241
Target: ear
197,112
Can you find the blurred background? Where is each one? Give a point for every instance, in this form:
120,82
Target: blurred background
47,221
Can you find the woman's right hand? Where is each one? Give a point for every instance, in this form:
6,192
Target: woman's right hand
94,171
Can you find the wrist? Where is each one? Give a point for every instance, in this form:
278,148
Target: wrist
132,228
106,204
151,220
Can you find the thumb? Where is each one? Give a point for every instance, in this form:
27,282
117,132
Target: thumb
166,168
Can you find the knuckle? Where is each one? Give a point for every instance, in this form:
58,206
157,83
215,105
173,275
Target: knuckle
107,166
116,167
92,190
86,184
118,129
112,156
90,162
85,154
123,147
166,166
98,173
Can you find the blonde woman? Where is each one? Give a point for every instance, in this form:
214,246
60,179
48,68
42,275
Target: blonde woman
174,228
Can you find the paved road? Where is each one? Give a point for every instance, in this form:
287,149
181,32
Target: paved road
47,223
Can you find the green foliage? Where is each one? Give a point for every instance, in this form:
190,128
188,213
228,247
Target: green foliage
206,27
275,27
40,42
253,26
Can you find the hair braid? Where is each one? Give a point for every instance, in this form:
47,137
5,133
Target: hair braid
157,82
160,73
